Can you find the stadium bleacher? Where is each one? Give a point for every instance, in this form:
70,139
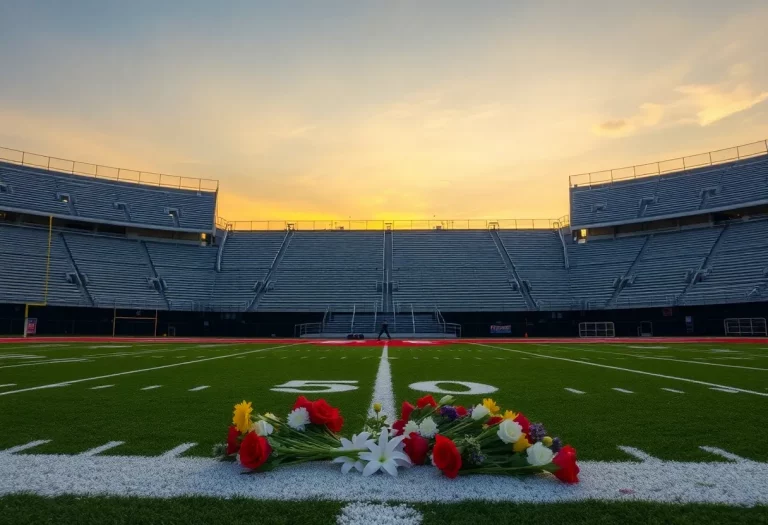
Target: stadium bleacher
726,186
374,274
24,188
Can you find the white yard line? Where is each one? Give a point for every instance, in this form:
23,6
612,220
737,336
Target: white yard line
20,448
574,390
663,358
199,388
631,370
101,387
654,480
673,390
7,385
383,391
151,387
102,448
177,451
51,362
623,391
724,454
66,383
637,453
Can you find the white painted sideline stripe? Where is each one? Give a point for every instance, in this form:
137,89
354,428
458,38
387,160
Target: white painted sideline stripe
198,388
631,370
102,448
19,448
574,390
724,453
673,390
151,387
657,481
623,391
177,451
100,387
144,370
727,390
383,391
378,513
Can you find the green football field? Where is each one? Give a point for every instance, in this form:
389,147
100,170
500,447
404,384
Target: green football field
684,408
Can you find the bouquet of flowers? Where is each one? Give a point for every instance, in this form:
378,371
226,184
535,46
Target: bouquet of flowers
456,440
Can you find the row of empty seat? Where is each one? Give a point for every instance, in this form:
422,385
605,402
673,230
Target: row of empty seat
447,270
725,186
33,190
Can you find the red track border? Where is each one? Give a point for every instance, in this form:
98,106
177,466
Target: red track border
373,342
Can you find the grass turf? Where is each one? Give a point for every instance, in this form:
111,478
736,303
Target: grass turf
664,424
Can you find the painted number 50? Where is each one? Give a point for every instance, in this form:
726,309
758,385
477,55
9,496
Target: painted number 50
299,386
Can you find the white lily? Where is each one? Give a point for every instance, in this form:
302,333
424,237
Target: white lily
358,443
387,455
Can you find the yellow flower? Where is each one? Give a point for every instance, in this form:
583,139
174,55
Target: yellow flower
242,416
547,441
509,414
377,407
522,444
491,405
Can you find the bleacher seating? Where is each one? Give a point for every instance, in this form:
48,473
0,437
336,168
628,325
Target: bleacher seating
453,271
45,192
327,268
188,271
731,185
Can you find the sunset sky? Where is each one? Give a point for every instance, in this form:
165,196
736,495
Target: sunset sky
382,110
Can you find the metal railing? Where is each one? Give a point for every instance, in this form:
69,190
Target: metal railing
655,169
97,171
399,225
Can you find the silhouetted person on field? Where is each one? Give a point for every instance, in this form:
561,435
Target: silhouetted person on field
384,330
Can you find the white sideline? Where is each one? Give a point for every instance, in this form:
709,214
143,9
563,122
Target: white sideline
631,370
102,448
383,391
378,514
65,383
727,389
738,483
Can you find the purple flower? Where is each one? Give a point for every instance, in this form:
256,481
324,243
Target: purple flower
556,445
537,432
448,412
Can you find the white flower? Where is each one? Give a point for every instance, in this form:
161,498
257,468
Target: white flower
539,455
359,443
270,415
262,428
446,400
410,427
387,455
298,418
479,412
428,428
509,431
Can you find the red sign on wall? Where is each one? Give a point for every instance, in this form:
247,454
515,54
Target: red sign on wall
31,325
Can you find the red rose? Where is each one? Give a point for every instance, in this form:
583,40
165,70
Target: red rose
302,402
426,401
405,412
461,411
416,447
524,424
495,420
320,412
566,460
254,451
233,443
446,456
398,426
335,424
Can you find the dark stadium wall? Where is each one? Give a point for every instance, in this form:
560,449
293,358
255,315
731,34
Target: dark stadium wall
666,322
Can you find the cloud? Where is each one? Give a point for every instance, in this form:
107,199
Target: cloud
713,102
647,116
